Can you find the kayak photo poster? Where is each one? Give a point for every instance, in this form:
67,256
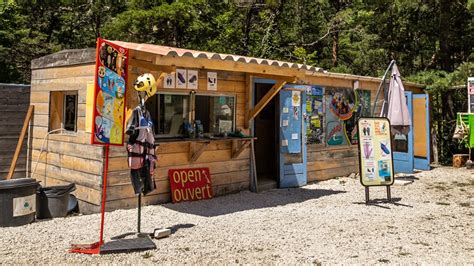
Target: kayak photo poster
340,105
109,94
375,152
362,109
343,107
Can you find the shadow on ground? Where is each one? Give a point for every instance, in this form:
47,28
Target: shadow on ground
249,201
378,202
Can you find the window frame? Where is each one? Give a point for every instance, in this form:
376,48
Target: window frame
65,94
57,111
190,110
234,110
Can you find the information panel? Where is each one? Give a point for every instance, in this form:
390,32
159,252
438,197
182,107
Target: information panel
375,152
109,94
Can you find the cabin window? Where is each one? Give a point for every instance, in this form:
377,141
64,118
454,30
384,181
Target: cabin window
215,113
169,112
63,110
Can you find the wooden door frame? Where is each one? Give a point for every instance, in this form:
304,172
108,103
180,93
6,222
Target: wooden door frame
256,80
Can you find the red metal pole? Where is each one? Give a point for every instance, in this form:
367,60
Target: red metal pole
104,195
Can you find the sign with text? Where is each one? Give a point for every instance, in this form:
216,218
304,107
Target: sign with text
470,94
375,152
190,184
108,117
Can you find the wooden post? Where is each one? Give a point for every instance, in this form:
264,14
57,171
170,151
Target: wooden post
253,167
266,99
20,142
389,194
366,195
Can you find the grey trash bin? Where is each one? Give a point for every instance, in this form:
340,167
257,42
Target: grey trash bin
53,201
17,201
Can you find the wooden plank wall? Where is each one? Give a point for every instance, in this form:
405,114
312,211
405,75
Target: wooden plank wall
67,157
325,162
13,108
228,175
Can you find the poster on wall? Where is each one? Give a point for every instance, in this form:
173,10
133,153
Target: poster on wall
362,109
315,113
169,81
181,78
211,81
375,152
470,88
109,94
340,104
192,79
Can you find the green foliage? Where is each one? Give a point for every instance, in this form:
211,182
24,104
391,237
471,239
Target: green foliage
449,96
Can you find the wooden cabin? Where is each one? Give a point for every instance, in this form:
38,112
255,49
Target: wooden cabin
249,93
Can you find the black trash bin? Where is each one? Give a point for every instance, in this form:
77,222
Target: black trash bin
53,201
17,201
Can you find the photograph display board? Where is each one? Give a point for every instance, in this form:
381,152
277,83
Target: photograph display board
375,152
109,94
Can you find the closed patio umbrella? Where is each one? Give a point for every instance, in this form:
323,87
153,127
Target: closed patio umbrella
397,111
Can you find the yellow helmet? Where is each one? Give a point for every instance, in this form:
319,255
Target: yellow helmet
146,83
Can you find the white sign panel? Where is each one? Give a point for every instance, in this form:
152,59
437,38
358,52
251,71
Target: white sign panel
212,81
24,205
192,79
296,98
181,78
169,82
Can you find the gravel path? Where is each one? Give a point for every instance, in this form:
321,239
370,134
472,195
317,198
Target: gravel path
327,222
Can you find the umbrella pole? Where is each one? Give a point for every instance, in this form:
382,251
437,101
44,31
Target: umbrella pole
380,86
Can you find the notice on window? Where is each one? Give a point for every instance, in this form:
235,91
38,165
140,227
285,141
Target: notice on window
375,152
190,184
109,94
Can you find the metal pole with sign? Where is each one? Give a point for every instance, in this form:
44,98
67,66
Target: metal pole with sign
108,120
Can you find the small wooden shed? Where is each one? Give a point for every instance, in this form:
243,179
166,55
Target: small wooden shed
248,95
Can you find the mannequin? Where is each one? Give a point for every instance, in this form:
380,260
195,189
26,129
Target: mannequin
141,144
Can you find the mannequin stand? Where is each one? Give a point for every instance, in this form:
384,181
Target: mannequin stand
157,233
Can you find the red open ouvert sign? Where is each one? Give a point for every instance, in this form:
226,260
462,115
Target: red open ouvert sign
190,184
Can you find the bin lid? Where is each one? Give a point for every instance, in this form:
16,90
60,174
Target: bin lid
16,183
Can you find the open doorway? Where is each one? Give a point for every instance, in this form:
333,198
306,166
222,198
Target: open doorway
266,131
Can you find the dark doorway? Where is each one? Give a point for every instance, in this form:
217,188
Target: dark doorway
266,131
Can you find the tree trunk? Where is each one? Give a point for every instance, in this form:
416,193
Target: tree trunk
444,35
335,48
247,29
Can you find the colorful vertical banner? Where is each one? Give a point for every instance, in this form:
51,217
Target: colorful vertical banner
375,152
109,94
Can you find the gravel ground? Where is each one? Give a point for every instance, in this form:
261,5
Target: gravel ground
327,222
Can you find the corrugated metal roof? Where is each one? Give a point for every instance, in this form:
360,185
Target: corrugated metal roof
178,52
